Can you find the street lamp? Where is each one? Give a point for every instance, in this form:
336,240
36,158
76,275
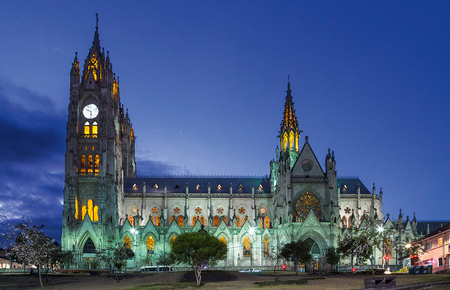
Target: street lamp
134,232
251,231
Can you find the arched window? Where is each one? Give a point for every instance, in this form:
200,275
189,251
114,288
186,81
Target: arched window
267,222
158,221
89,247
91,209
94,130
202,220
96,164
246,247
152,219
244,220
83,164
150,246
224,219
171,241
266,247
222,239
90,164
261,222
76,208
238,221
127,242
349,223
180,221
130,219
171,219
291,140
83,212
344,222
95,213
285,141
216,221
87,129
194,220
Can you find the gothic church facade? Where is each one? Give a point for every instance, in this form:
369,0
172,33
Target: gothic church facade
106,203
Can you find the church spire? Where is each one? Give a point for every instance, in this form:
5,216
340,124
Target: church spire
289,132
96,42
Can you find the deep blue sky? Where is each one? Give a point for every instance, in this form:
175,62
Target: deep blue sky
205,81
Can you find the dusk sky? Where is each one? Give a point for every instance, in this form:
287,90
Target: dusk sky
205,84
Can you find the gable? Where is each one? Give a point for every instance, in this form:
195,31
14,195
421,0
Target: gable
307,163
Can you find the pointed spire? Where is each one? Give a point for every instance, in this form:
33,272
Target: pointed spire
96,42
289,132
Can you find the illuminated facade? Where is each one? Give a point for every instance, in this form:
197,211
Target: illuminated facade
106,204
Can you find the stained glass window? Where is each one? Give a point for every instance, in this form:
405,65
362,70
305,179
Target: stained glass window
198,210
202,220
158,220
150,246
238,221
246,247
89,247
242,210
224,219
152,219
262,210
266,247
306,203
171,241
216,221
176,210
127,242
155,209
219,210
267,222
180,221
222,239
194,220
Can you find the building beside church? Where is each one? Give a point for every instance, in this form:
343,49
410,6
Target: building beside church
106,203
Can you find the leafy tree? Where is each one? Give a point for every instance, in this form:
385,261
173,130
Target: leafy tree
31,247
350,246
67,258
299,251
332,256
197,249
117,256
164,259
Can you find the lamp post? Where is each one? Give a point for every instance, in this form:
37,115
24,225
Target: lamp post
251,231
134,232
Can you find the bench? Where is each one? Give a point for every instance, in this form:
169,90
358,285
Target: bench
380,282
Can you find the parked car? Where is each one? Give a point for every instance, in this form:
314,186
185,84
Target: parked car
250,270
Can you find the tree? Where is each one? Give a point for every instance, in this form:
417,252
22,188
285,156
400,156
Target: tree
164,259
332,256
198,249
351,246
299,251
117,256
31,247
275,255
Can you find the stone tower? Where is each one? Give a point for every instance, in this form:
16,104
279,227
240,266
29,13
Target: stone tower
99,154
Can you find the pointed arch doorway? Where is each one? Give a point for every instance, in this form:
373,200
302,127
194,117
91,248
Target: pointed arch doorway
316,254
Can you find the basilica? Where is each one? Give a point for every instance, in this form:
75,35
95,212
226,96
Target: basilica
106,203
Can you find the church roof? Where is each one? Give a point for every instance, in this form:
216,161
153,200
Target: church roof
198,184
430,228
350,186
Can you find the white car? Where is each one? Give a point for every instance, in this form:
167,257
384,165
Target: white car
250,270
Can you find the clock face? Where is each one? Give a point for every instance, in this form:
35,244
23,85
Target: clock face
90,111
307,165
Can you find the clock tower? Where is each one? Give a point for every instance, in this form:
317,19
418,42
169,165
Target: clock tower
100,151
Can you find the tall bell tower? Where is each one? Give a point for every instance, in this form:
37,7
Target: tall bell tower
100,151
